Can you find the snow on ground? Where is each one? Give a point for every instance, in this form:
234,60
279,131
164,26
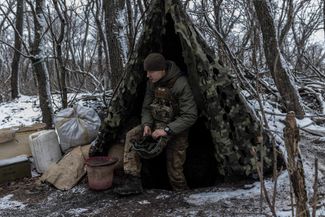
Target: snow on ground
21,112
6,202
225,193
25,111
143,202
77,211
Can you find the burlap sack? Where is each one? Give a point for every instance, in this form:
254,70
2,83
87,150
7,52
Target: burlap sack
69,170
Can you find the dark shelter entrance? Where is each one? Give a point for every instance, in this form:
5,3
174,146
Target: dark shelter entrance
200,167
227,131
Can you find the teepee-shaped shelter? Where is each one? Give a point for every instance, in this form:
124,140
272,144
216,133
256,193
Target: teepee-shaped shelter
227,128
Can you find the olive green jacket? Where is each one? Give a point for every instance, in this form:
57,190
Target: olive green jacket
181,90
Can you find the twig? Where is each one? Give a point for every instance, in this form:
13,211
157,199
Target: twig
315,133
291,200
315,188
135,34
12,47
319,73
260,175
283,115
275,171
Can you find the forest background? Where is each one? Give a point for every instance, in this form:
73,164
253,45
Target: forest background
61,47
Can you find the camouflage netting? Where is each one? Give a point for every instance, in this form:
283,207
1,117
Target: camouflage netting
227,126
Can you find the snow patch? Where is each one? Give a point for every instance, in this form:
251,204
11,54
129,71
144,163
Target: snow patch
223,194
13,160
52,197
35,173
6,203
23,111
78,189
143,202
321,139
288,213
214,197
77,211
163,196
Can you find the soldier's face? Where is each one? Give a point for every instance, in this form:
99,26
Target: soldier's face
155,76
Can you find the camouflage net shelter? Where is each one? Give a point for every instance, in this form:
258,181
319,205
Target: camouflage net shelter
227,129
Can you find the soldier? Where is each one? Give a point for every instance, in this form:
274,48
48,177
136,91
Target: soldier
168,111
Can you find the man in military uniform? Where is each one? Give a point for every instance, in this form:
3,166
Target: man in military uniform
168,111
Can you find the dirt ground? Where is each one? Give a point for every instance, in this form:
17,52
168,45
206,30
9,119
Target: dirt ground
26,198
80,201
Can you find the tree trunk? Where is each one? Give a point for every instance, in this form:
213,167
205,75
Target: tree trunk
39,65
218,25
112,30
295,166
282,79
130,26
324,16
85,36
255,41
288,24
140,6
100,59
59,61
16,58
105,67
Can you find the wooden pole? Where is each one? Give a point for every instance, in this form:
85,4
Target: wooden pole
295,166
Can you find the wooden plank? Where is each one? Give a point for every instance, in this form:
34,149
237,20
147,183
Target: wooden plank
14,168
19,145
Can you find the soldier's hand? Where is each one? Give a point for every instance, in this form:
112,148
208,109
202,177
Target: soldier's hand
147,131
158,133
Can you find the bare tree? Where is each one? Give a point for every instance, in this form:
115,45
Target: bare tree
59,56
274,59
16,58
130,27
86,19
307,24
87,41
139,5
112,30
103,67
295,166
38,61
287,6
324,16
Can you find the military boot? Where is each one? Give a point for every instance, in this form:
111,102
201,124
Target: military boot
131,185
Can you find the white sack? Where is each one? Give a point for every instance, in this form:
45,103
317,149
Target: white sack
76,126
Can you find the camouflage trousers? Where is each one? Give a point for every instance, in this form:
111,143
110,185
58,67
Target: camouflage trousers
175,154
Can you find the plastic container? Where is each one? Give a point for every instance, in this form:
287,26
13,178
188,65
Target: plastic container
45,149
100,172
